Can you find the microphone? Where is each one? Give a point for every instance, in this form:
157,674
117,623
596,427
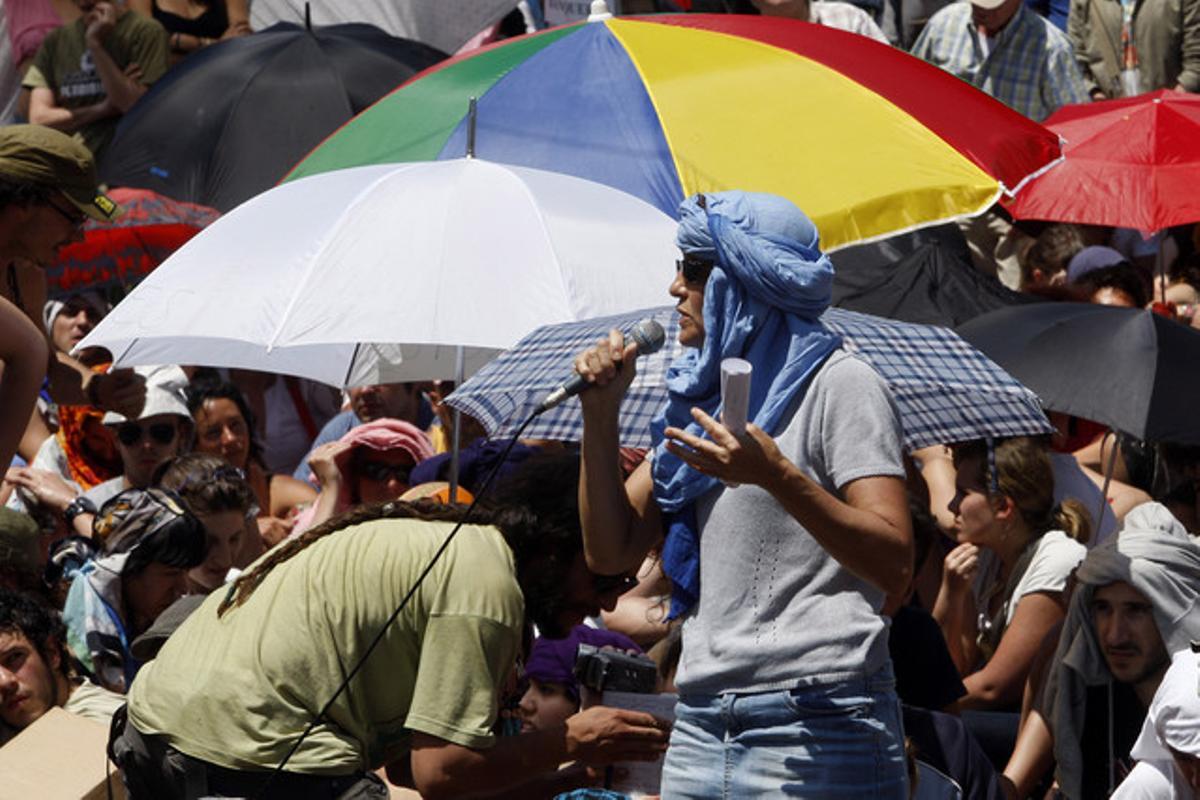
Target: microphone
649,337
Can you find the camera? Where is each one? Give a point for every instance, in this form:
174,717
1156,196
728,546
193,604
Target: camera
612,670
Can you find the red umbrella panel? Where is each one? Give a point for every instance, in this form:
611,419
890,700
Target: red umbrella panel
1130,163
115,255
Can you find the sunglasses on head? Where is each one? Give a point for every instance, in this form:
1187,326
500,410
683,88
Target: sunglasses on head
130,433
379,471
694,270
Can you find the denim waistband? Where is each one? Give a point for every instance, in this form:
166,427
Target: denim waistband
881,680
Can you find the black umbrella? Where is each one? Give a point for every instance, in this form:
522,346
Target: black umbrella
229,122
1130,369
926,277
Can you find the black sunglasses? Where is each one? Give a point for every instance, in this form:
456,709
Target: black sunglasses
694,270
379,471
73,306
130,433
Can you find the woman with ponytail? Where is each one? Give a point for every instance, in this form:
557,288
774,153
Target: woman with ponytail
1004,586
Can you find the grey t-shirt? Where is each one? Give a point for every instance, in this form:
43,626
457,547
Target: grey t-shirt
776,611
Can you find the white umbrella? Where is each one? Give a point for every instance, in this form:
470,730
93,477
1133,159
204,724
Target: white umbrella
382,273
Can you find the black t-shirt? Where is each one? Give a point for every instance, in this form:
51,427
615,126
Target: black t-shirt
1128,716
925,674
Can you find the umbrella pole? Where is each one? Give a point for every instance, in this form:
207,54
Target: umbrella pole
1108,472
455,440
1162,270
471,116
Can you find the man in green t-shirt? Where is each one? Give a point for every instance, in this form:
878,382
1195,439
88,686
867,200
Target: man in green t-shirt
234,687
90,72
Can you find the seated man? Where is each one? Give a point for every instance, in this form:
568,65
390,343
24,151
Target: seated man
293,633
35,672
87,74
1135,602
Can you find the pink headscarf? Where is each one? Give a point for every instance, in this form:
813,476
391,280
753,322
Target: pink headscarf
382,435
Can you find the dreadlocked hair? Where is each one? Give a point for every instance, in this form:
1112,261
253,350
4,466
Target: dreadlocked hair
535,508
425,510
1024,474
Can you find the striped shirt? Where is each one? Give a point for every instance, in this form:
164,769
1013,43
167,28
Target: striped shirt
1028,66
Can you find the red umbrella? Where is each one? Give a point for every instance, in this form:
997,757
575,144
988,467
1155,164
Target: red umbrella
1130,163
119,253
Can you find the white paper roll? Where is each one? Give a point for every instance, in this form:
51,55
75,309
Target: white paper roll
735,393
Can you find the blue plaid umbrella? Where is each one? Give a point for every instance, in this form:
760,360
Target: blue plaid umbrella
945,389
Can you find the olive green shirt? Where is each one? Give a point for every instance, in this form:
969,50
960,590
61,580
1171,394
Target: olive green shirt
64,64
237,690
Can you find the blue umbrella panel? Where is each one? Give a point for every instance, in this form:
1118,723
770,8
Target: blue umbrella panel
945,390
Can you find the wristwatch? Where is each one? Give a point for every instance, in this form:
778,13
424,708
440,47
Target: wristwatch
80,505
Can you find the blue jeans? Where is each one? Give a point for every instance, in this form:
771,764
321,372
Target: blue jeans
832,741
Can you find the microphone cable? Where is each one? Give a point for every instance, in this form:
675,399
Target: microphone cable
650,336
316,720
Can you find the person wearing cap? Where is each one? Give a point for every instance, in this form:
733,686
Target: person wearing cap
158,433
1007,50
88,73
36,674
148,542
1137,600
370,464
402,401
48,189
782,542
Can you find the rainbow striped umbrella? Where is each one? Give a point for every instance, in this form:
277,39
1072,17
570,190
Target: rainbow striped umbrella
868,140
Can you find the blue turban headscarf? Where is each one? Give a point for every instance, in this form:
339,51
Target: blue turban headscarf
769,284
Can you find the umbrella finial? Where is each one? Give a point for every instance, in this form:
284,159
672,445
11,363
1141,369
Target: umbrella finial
308,17
471,109
600,11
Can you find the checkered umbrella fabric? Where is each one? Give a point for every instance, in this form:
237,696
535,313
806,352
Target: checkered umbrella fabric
945,389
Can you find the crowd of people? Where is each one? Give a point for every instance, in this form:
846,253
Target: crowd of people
269,588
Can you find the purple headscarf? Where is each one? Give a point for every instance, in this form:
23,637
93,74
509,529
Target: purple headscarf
553,660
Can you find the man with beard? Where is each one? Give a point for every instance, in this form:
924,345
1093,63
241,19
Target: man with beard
1137,600
232,690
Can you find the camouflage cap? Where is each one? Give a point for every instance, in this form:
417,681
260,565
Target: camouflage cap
43,155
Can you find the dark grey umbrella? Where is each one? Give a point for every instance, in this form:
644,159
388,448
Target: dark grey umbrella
1130,369
227,123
